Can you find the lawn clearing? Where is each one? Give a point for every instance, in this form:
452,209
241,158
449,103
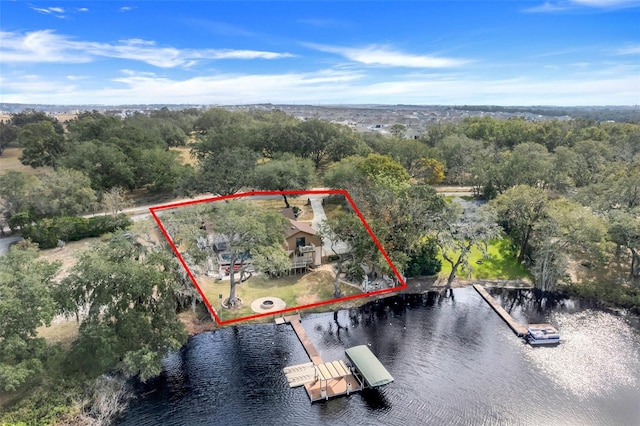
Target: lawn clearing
277,204
295,290
185,155
498,264
9,161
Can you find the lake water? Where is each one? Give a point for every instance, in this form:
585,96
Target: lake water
454,362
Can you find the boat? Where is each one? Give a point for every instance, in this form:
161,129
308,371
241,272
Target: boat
542,335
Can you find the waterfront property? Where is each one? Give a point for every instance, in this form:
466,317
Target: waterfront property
534,334
324,380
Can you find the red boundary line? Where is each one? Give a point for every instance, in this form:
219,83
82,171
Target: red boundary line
213,312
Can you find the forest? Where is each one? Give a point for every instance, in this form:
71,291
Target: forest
565,194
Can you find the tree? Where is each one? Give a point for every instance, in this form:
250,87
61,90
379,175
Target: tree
430,170
8,135
26,303
62,192
246,229
160,170
105,164
624,230
318,137
528,164
398,130
519,209
424,259
14,187
286,173
114,201
226,171
568,229
348,228
129,293
458,154
457,235
30,115
41,144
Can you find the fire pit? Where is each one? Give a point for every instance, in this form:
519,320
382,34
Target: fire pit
267,304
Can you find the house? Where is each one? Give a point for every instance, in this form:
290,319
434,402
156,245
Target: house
304,245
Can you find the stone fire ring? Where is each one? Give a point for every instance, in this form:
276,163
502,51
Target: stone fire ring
268,304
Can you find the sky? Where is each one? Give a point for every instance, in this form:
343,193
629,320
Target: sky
549,52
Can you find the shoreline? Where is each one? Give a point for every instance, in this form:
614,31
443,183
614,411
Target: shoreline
196,322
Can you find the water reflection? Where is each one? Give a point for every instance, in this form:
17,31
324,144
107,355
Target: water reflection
454,362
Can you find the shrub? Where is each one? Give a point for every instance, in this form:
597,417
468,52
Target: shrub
47,232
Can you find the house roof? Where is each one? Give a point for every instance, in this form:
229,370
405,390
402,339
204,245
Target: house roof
298,227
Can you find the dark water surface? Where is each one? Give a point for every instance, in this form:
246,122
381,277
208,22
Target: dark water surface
454,362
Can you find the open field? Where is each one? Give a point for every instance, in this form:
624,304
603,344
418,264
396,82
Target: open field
498,264
295,290
9,161
185,154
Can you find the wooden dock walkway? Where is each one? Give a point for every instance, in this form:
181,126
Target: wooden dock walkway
321,380
314,356
519,329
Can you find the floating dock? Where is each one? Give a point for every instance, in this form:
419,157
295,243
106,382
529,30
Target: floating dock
519,329
324,380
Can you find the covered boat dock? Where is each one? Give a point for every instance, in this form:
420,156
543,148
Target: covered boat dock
368,366
323,380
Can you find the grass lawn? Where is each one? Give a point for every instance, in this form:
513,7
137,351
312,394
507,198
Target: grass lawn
295,290
278,204
498,264
334,205
9,161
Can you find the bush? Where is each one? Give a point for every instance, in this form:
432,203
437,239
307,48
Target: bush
47,232
424,261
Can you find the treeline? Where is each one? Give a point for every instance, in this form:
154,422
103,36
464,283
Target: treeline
591,164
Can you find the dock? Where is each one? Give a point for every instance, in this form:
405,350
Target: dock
519,329
323,380
311,350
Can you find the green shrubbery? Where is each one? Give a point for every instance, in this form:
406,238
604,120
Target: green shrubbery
623,296
47,232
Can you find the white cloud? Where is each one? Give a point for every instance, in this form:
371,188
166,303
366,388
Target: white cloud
629,50
607,3
82,9
126,9
613,86
547,7
53,11
47,46
384,56
566,5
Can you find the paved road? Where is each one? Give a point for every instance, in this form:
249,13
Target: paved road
6,242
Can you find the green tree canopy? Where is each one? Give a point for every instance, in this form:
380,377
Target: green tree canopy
285,173
41,144
26,302
129,293
247,228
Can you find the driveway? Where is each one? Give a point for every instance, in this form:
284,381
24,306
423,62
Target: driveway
319,217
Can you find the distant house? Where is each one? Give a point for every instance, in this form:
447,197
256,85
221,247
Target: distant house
304,245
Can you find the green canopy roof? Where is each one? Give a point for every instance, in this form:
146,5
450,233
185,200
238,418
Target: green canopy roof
371,369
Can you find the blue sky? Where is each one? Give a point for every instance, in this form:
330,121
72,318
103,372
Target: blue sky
554,52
